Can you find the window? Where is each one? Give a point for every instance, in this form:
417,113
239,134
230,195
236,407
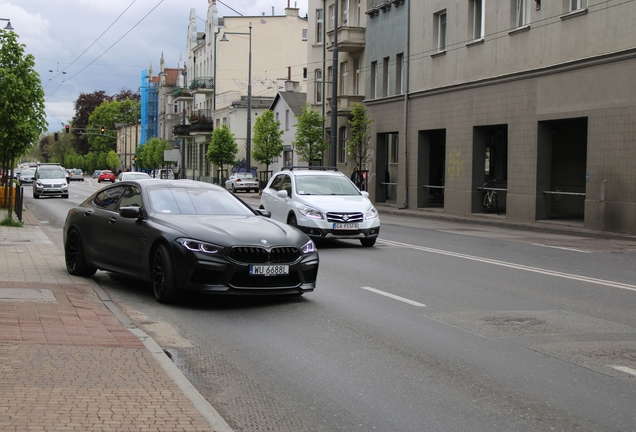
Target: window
318,75
342,145
385,77
319,26
344,7
344,78
329,80
304,73
304,34
332,17
521,10
374,80
277,116
577,4
357,14
476,17
395,147
399,74
286,119
356,76
440,33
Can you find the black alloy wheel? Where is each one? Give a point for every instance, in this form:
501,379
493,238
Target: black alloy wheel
74,255
291,220
163,283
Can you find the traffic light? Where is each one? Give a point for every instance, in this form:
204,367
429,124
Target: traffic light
68,128
55,136
102,130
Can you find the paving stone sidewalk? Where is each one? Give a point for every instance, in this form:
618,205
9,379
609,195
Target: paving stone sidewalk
68,364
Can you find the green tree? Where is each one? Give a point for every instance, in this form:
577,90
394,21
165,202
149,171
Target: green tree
223,148
150,154
360,125
112,160
268,141
310,143
22,115
107,115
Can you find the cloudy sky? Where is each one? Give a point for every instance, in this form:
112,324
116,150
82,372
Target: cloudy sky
81,46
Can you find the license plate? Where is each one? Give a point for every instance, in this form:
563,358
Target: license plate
269,270
345,226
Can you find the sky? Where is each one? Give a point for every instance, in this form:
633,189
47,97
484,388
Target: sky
82,46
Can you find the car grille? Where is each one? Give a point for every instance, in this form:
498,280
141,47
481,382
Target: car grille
310,275
247,281
259,255
345,217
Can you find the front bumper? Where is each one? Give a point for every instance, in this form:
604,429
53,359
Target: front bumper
315,228
210,274
51,191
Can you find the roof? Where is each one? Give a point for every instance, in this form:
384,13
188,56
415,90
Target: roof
294,100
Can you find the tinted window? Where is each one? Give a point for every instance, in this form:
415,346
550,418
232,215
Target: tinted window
130,198
196,201
278,181
51,173
107,199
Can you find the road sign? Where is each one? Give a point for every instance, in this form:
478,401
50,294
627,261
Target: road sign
172,155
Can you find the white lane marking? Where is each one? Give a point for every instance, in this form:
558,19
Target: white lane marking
624,369
559,247
515,266
393,296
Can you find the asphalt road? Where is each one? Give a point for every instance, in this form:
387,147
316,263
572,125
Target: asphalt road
440,326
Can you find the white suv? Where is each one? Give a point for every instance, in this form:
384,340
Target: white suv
323,203
50,180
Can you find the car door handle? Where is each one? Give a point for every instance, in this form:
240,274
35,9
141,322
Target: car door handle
88,213
112,220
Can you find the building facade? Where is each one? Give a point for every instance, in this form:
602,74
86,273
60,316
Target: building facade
536,99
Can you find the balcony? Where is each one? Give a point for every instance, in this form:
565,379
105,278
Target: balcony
181,94
202,85
350,39
345,104
181,130
201,122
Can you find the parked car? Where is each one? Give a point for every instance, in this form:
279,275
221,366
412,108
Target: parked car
242,182
132,175
323,203
165,174
50,180
96,173
106,175
197,237
76,174
26,176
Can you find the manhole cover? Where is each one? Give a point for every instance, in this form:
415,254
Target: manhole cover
513,321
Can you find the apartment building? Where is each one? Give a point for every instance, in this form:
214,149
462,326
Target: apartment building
341,27
221,59
535,98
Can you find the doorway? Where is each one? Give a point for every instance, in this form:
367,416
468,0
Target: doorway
561,169
387,166
431,168
490,165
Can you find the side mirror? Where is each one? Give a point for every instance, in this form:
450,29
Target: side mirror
131,212
263,212
282,193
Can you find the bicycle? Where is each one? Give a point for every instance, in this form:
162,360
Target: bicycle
490,201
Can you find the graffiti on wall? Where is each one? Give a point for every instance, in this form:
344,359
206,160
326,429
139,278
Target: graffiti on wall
266,83
455,166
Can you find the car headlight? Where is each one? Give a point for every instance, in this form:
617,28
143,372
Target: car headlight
310,212
371,213
39,184
199,246
309,247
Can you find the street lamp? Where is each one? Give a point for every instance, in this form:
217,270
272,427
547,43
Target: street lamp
8,27
248,140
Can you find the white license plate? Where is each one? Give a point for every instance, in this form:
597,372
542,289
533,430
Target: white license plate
345,226
269,270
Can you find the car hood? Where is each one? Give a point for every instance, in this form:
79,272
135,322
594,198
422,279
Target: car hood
336,203
234,230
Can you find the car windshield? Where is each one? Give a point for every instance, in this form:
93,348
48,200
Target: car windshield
196,202
27,172
51,174
325,185
245,176
134,176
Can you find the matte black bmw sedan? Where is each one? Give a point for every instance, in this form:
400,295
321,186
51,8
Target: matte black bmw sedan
184,235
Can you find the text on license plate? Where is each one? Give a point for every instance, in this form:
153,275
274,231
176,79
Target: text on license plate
269,270
345,226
